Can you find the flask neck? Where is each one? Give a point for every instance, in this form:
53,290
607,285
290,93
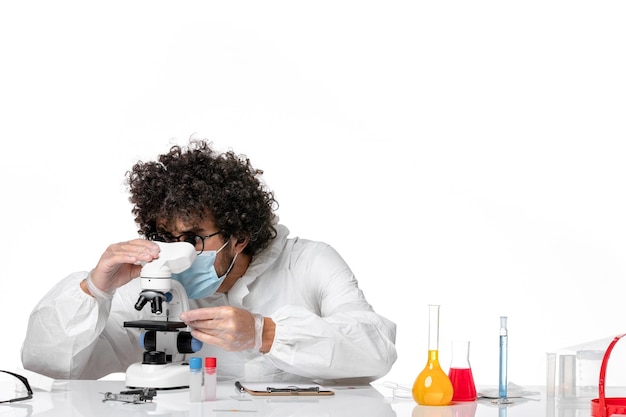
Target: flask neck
433,327
460,354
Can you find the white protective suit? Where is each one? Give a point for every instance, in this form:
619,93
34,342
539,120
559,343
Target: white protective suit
325,328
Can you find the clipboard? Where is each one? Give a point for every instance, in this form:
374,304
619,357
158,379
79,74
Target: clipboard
281,389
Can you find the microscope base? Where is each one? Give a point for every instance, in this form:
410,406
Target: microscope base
165,376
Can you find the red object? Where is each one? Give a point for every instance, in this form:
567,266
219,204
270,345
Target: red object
463,384
210,362
602,406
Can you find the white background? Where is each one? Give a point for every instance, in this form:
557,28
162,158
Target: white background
467,154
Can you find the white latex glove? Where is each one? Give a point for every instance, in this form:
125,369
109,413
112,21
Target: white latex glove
120,263
230,328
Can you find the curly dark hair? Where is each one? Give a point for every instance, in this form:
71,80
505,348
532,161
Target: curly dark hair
194,183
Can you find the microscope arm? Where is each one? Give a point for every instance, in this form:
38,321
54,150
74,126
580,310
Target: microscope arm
156,276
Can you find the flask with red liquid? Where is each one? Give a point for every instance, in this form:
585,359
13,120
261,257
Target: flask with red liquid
460,372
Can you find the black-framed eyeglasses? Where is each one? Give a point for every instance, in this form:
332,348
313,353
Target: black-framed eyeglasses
23,380
196,240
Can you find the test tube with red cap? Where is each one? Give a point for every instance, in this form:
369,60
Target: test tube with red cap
210,379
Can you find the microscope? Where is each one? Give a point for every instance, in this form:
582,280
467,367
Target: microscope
163,341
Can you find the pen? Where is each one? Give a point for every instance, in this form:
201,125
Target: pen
293,389
239,387
234,410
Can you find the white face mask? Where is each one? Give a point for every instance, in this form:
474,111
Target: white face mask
200,280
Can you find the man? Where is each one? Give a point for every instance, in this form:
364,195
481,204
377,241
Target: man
267,306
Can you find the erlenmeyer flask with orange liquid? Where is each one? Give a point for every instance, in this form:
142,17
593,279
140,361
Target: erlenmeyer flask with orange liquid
432,386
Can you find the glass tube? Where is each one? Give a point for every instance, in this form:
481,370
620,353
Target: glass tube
504,353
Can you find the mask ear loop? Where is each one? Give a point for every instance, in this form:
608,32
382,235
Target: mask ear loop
232,263
223,246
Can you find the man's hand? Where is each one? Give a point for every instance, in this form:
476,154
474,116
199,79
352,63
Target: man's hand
120,263
230,328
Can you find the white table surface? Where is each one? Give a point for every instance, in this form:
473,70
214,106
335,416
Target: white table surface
85,398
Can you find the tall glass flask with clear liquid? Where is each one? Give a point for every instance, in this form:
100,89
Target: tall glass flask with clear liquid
432,386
